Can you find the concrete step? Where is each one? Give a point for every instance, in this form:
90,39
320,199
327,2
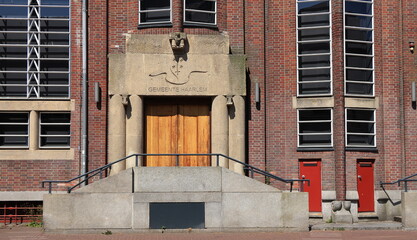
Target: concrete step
380,225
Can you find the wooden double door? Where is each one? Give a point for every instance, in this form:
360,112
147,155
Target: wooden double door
177,128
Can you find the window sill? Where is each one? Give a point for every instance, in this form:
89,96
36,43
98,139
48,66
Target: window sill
314,149
197,25
156,25
362,149
41,154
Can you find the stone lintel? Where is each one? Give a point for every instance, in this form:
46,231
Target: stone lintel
315,102
362,102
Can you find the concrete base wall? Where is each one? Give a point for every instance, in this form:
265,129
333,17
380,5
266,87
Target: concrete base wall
408,209
232,201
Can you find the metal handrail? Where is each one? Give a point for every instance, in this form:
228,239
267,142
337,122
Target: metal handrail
83,178
405,180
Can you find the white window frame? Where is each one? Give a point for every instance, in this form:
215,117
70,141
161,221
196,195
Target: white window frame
50,124
346,81
202,11
18,135
360,121
315,54
33,48
314,121
155,10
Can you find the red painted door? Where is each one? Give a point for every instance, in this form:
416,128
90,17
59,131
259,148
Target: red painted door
365,179
312,170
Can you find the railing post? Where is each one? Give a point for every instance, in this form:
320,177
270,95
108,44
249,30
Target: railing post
137,160
101,173
218,160
291,186
177,160
406,186
50,187
251,172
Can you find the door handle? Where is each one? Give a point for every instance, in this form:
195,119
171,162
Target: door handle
359,177
303,176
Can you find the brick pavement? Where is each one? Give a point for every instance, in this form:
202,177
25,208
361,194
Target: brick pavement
27,233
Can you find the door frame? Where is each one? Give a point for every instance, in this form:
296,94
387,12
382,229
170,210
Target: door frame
315,203
370,199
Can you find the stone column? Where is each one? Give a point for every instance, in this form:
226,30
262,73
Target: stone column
117,133
33,130
219,130
237,133
134,130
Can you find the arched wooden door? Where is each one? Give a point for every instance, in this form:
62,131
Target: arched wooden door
177,128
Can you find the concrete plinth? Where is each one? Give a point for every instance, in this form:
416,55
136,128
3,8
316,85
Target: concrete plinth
219,130
237,133
117,133
134,129
341,212
408,209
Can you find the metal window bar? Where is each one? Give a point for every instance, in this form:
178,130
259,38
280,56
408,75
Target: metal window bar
83,178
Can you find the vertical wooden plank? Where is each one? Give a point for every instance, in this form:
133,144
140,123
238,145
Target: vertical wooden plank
204,134
151,137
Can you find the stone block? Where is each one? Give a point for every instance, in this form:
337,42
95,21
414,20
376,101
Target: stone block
295,212
408,209
234,182
119,183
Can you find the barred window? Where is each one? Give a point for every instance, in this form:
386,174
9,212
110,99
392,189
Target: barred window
54,130
314,47
360,128
34,48
315,128
14,130
200,12
359,48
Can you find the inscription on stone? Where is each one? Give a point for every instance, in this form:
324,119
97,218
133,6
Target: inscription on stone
177,89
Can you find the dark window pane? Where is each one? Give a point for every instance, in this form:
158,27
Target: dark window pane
13,78
364,115
311,140
361,140
359,88
54,12
56,65
313,115
14,2
13,12
14,117
315,127
362,35
13,52
313,7
54,52
55,130
13,65
314,61
358,7
55,141
55,118
13,38
313,34
154,4
13,91
55,2
54,39
314,74
310,48
13,25
16,141
360,62
359,48
356,127
151,17
200,5
200,17
54,26
313,20
314,88
358,21
359,75
54,91
14,129
54,78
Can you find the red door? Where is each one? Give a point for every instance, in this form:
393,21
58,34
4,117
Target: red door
312,170
365,179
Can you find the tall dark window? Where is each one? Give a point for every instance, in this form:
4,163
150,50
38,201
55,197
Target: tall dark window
14,130
34,48
155,12
359,45
314,47
200,12
54,130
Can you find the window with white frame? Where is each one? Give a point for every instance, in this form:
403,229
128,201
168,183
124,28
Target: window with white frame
360,128
14,130
200,12
315,128
34,48
359,47
155,12
314,47
54,129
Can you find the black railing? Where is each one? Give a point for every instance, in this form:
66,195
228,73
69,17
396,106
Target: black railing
83,178
399,181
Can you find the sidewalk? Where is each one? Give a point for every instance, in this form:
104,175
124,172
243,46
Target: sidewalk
28,233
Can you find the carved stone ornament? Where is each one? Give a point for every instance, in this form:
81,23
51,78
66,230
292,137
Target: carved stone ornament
179,72
178,40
